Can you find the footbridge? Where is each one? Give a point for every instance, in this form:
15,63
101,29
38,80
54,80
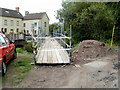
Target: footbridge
52,49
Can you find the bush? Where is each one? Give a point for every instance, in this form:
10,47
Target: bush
28,48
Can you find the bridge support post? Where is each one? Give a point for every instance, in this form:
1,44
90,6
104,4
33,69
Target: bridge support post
70,40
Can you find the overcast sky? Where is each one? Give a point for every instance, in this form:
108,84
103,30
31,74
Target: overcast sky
34,6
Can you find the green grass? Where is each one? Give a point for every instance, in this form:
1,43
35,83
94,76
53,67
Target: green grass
22,67
114,44
24,62
108,42
21,51
3,78
29,42
74,47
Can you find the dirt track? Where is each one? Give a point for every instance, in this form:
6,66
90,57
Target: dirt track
71,76
95,65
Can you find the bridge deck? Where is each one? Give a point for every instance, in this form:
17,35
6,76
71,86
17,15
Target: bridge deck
51,52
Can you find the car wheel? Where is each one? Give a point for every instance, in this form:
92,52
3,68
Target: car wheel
4,68
15,54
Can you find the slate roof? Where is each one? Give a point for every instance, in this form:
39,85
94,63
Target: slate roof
10,13
34,16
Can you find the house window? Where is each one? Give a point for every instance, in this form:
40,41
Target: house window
17,23
11,30
12,23
17,30
45,24
35,24
5,30
24,25
35,31
5,22
27,31
24,32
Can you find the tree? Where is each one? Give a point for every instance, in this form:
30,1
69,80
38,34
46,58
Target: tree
53,27
93,20
116,11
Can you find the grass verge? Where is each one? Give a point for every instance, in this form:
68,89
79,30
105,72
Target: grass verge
21,51
19,68
22,66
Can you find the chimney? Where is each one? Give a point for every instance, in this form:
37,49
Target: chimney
26,13
17,9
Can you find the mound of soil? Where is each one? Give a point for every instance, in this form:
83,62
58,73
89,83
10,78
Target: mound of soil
89,50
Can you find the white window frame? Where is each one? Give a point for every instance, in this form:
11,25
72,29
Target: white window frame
5,22
12,22
17,23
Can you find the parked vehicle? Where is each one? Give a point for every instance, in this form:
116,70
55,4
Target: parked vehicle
7,52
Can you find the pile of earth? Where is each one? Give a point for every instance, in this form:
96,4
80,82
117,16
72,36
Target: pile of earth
89,50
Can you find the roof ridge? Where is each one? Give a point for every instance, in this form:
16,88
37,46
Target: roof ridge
37,13
32,16
8,9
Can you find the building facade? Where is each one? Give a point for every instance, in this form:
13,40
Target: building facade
11,21
35,23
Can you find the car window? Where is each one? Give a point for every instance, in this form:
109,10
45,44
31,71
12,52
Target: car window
7,41
2,41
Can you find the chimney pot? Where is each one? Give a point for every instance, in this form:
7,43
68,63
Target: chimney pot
17,9
26,13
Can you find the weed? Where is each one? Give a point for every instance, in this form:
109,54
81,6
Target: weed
24,62
22,67
3,78
18,79
21,51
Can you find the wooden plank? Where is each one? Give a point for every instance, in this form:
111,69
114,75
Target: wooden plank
49,53
54,56
62,49
52,53
53,37
63,55
44,60
41,54
38,53
57,52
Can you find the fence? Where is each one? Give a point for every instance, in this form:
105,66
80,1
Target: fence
13,37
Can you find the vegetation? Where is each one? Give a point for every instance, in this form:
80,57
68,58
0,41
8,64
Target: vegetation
91,20
22,67
21,51
53,27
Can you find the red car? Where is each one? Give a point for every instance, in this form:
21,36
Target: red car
7,52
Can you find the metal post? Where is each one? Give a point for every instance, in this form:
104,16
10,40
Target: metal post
70,39
64,31
61,29
63,26
32,28
33,40
112,35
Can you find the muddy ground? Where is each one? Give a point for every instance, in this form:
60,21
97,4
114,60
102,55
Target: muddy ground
88,75
94,65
